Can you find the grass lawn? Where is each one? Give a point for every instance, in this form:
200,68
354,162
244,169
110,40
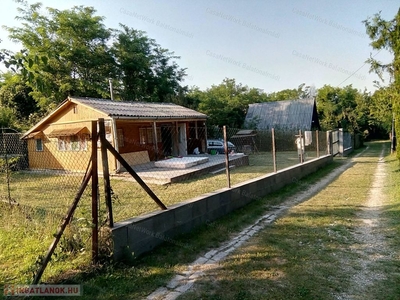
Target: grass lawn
310,253
27,234
50,192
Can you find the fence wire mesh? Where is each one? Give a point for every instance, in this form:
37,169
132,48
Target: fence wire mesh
46,173
42,174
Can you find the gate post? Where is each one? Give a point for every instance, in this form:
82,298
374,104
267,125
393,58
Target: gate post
228,174
329,146
106,172
273,149
95,204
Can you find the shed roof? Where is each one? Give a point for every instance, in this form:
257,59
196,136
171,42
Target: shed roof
124,110
244,133
293,114
140,110
68,131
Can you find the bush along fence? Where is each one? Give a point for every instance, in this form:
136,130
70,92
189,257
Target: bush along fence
148,168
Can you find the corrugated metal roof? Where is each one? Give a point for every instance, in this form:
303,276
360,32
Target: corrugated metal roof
246,131
290,114
140,110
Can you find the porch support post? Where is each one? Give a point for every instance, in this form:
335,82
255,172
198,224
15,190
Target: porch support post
95,193
116,146
205,138
176,144
155,140
196,130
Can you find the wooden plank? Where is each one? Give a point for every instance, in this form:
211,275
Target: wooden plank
129,169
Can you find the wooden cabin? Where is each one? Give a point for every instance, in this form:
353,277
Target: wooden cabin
140,131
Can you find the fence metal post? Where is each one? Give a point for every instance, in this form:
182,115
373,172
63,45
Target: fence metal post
301,147
392,137
95,204
106,172
329,142
317,141
273,149
228,175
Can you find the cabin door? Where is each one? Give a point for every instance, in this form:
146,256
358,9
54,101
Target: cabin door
182,139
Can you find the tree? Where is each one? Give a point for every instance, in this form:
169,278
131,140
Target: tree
227,103
71,52
15,95
342,108
7,117
381,113
146,71
67,51
386,35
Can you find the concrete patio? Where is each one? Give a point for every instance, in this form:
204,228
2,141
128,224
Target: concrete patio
164,175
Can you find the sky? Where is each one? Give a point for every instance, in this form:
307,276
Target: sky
265,44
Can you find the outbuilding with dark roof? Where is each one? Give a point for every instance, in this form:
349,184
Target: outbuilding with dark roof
288,114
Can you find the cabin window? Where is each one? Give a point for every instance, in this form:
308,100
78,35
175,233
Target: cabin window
73,143
147,136
62,144
75,146
39,144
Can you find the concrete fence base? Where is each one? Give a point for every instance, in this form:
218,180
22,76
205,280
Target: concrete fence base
142,234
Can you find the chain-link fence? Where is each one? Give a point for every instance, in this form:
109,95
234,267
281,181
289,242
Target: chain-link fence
43,173
179,167
46,172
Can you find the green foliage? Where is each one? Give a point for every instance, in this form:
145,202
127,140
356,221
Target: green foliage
7,117
146,71
301,92
381,113
344,108
227,103
15,95
386,35
71,52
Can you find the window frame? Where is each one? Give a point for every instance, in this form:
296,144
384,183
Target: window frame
73,143
37,143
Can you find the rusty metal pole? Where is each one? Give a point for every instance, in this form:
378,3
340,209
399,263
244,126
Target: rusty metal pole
95,201
106,172
228,175
317,141
273,149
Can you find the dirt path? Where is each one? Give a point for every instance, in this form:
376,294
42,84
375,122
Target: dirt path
371,245
182,282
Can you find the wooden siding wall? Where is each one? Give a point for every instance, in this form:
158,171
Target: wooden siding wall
53,159
81,113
